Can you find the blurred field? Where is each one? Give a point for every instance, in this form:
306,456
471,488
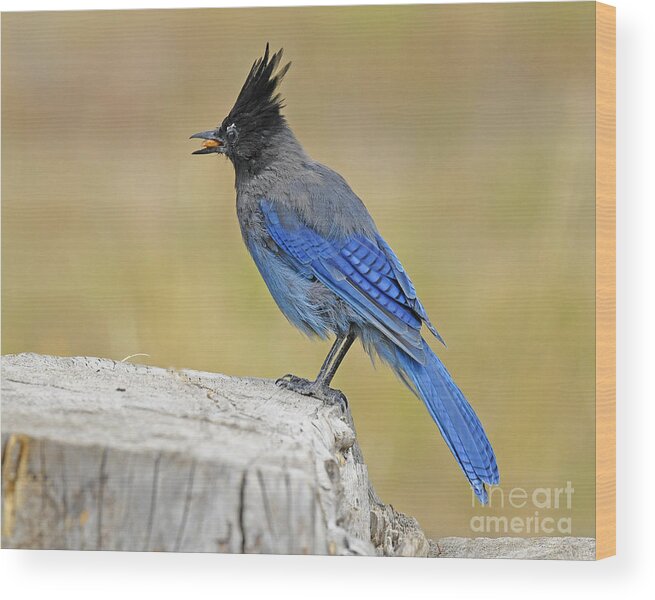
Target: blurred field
468,131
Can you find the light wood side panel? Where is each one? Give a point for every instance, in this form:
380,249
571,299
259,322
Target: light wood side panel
605,280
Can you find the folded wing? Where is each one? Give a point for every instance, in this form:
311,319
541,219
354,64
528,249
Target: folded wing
363,272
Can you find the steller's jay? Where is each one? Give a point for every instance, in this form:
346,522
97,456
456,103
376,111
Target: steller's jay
329,269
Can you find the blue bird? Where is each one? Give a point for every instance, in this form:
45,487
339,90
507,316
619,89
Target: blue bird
329,269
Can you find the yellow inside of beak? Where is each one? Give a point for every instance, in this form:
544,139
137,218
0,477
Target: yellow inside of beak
210,144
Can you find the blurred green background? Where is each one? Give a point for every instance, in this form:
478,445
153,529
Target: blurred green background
468,130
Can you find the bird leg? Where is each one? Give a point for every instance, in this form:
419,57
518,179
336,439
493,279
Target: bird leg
320,387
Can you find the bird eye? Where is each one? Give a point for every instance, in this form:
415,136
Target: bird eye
231,134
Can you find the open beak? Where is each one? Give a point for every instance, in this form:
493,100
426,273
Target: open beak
213,143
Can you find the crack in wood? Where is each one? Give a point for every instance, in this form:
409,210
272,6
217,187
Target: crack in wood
50,385
242,510
267,506
153,502
187,503
289,507
102,477
14,467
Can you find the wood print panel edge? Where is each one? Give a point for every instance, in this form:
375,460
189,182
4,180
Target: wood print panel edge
605,280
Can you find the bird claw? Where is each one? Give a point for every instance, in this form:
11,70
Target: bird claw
311,388
289,379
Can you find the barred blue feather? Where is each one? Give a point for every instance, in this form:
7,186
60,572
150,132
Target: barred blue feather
368,276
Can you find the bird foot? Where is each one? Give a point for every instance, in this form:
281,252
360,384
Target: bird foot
313,389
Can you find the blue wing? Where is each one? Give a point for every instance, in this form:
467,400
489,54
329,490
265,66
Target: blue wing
363,272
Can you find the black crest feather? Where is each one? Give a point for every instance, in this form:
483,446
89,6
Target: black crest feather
258,103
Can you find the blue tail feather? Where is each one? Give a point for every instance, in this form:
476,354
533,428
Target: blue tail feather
452,413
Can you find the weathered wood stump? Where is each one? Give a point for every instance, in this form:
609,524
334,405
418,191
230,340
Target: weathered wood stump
105,455
98,454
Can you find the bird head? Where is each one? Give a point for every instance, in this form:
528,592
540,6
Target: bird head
250,128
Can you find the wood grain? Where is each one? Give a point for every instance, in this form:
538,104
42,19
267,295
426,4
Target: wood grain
605,280
105,455
100,455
